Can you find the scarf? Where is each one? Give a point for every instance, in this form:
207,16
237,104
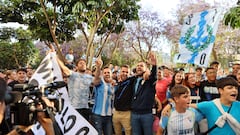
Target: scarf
226,117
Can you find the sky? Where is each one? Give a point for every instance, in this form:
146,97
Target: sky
163,7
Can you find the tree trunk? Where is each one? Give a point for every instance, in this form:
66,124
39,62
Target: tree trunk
92,52
214,53
90,45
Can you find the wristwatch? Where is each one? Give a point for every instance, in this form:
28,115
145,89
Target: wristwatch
19,131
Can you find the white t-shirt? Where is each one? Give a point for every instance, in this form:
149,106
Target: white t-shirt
180,123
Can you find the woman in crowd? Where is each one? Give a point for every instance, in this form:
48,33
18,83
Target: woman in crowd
190,82
177,79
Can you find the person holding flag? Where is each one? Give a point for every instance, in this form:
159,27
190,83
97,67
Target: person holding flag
49,71
78,87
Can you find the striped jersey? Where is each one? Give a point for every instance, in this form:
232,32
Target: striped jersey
104,93
79,87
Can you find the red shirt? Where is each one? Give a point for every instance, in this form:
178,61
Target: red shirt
161,89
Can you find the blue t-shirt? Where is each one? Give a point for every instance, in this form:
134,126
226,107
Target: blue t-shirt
210,110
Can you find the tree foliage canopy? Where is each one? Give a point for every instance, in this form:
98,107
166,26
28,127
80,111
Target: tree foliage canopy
29,12
232,18
97,17
18,53
52,20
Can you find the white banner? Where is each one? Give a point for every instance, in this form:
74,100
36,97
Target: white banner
197,37
69,120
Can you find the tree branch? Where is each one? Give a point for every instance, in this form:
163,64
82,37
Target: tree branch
52,32
107,37
54,16
83,31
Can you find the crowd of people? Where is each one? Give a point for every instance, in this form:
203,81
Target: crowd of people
120,100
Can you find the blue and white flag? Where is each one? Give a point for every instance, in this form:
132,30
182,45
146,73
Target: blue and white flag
197,37
69,120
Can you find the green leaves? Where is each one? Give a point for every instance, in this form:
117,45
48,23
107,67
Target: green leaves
19,52
78,7
92,3
65,16
232,18
30,13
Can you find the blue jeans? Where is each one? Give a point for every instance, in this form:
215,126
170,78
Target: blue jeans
142,124
103,124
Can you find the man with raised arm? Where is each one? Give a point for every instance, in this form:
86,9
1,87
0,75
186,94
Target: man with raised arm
79,83
104,93
144,98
